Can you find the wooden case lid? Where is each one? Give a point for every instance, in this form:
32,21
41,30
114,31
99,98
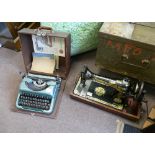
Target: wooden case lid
140,32
27,48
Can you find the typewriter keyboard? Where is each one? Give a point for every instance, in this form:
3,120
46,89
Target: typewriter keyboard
34,101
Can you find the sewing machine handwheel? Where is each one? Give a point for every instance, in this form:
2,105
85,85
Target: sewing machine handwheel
140,90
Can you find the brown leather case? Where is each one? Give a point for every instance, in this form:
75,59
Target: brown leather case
25,36
27,50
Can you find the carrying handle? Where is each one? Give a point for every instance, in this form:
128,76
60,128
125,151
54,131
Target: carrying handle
45,28
43,33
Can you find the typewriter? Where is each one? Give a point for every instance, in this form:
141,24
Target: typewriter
122,94
38,93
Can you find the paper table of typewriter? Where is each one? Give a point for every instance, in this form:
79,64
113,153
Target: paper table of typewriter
39,89
121,94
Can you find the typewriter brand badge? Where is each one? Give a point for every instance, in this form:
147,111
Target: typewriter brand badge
99,91
48,90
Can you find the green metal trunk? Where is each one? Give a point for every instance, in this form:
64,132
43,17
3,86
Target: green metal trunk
128,49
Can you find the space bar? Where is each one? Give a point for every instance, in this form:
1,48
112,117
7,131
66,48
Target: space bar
32,109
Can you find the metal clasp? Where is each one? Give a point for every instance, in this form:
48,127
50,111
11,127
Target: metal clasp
145,61
40,33
125,57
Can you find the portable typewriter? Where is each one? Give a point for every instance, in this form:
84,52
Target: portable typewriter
121,96
46,57
38,93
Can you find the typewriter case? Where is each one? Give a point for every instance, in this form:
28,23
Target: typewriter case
27,48
25,36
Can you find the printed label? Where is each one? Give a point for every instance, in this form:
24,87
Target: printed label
49,45
122,48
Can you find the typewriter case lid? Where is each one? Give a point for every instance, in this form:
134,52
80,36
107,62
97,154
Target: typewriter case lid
27,48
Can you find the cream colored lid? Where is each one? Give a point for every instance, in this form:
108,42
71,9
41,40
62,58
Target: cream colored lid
122,29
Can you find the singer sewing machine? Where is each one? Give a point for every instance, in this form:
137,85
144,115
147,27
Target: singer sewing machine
120,96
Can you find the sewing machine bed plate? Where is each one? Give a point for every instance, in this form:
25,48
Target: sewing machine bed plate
104,106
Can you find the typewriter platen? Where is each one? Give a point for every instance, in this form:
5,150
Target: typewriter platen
121,94
38,93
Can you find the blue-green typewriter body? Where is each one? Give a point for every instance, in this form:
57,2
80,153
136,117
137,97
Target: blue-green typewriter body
38,93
